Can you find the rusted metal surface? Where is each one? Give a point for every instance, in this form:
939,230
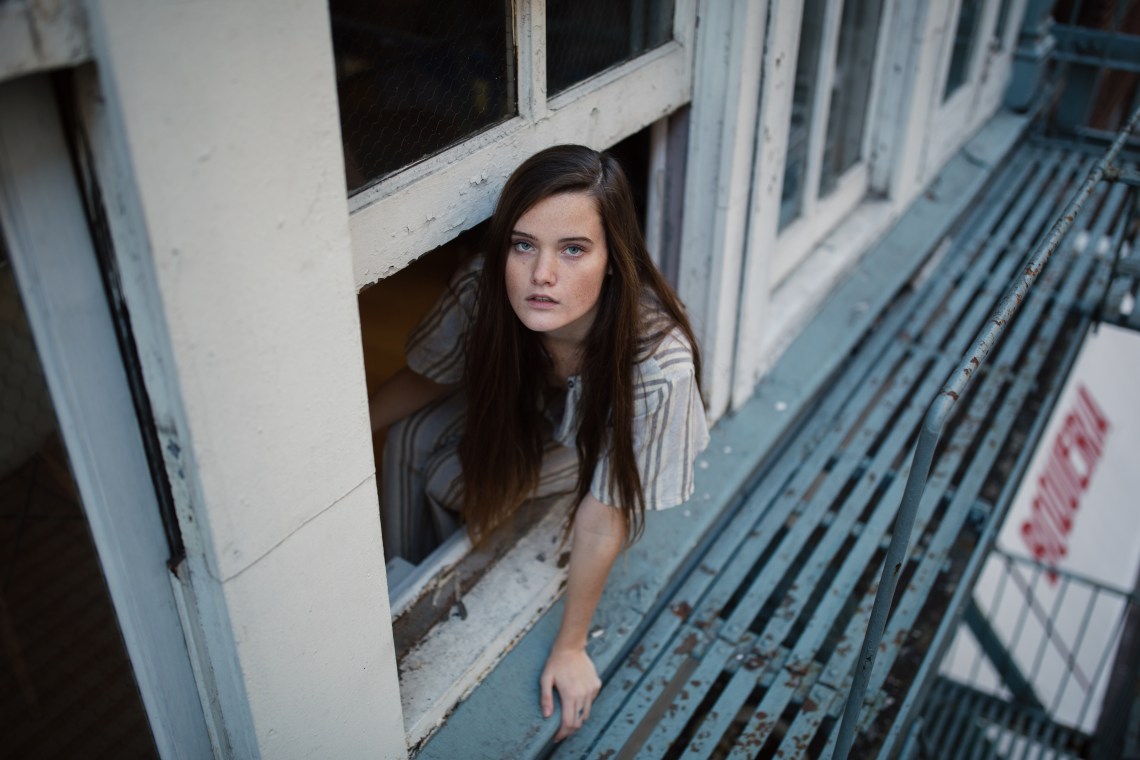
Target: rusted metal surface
935,422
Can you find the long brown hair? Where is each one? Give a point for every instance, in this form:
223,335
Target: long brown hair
506,367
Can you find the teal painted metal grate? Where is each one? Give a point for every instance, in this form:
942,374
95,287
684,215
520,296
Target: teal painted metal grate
753,654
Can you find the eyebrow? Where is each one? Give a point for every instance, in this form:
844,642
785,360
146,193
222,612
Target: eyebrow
574,239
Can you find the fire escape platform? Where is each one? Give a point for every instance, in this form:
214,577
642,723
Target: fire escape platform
733,632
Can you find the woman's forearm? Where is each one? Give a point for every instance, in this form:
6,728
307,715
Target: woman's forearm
400,395
598,537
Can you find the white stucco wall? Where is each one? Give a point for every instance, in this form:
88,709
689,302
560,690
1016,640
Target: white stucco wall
246,305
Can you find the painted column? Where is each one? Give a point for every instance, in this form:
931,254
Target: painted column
1031,58
216,132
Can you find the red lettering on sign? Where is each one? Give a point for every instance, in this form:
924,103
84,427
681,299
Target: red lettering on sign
1073,456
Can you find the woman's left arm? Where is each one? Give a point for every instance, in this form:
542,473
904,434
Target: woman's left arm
599,533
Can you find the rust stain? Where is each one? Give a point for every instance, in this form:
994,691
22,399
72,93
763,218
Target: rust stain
810,705
688,645
682,609
952,395
634,658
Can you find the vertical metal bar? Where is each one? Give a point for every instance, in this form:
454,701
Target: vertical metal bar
1104,654
996,605
1048,635
932,427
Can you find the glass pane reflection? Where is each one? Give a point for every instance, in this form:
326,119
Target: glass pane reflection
414,78
586,37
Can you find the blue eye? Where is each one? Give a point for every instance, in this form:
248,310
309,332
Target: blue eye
574,250
522,246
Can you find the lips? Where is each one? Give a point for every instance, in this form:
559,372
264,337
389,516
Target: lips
541,300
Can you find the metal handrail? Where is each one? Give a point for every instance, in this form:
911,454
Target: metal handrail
935,421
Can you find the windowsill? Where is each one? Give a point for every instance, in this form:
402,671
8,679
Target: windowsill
462,609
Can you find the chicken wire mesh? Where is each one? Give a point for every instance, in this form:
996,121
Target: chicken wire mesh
585,37
414,78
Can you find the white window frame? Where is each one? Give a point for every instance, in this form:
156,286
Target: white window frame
774,257
817,216
954,120
430,202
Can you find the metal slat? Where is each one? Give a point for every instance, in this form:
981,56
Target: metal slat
686,644
682,708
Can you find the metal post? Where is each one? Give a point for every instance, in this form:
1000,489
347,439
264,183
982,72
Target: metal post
932,427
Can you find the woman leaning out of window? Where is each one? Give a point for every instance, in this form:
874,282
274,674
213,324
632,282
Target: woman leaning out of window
560,360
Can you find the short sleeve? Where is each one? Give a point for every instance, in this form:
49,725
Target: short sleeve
435,347
669,430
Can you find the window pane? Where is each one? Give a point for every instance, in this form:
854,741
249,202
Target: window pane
414,78
585,37
1002,21
803,101
968,16
850,90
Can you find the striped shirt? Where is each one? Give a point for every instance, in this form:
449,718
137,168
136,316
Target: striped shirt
669,426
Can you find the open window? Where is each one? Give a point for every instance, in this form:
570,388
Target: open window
390,310
438,105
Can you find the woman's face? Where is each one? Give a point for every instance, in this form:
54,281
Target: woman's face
556,265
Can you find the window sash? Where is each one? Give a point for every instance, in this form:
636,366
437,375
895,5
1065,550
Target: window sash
428,203
818,215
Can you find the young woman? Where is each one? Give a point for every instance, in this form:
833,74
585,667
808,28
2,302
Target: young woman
559,360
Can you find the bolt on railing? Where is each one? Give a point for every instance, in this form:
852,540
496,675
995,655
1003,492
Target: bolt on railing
935,421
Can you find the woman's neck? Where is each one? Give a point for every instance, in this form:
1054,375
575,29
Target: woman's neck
565,358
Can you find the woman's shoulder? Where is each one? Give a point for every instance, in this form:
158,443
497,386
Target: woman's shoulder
667,353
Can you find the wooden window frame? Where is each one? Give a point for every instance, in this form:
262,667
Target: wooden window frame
430,202
952,121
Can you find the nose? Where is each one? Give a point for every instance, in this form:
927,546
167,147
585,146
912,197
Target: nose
545,268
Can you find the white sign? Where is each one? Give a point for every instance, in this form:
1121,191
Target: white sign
1076,516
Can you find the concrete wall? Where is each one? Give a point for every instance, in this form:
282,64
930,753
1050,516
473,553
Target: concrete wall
216,128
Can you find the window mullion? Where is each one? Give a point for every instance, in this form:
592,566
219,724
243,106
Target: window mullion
530,31
821,109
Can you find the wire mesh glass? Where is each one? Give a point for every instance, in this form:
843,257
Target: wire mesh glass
586,37
414,78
